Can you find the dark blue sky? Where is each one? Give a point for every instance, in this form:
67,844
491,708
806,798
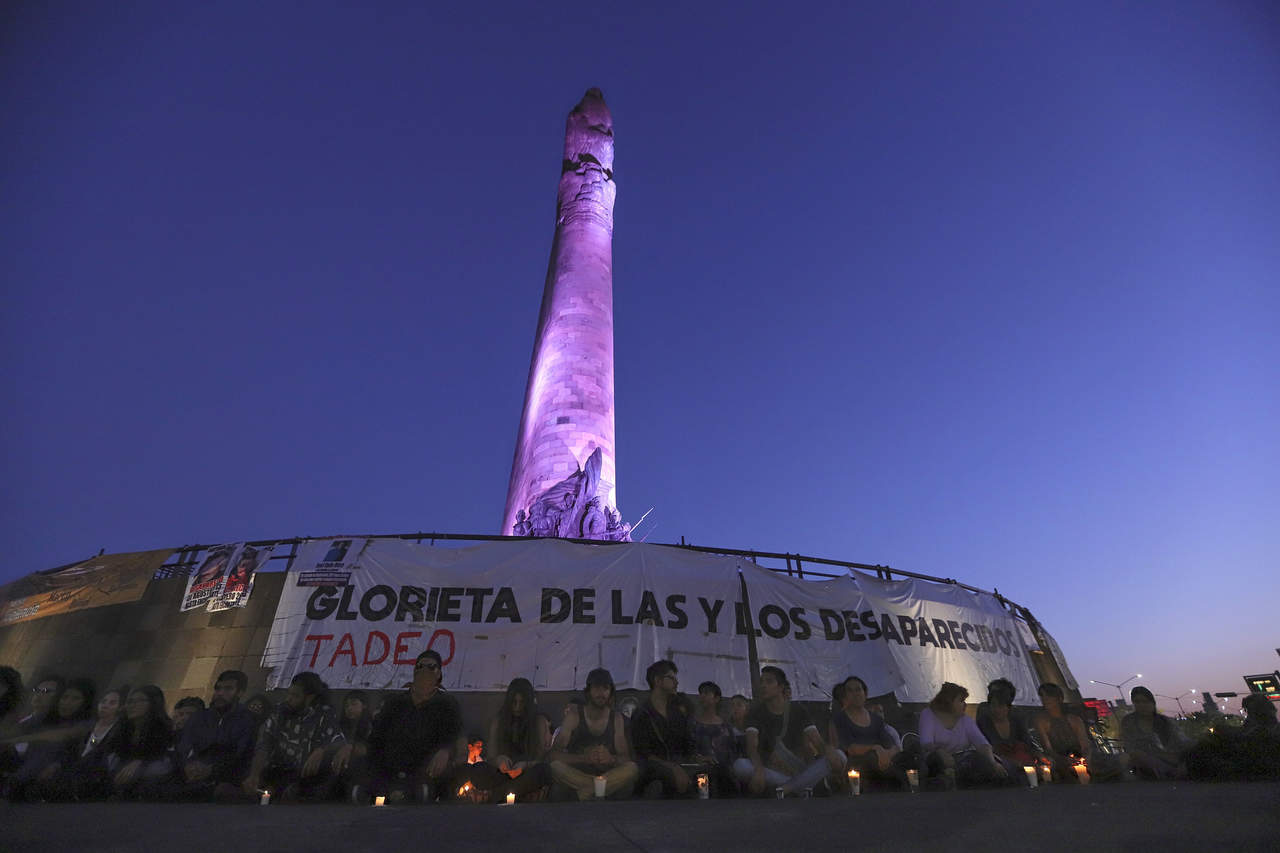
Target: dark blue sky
987,292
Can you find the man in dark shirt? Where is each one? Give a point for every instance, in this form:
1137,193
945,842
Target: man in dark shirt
216,745
661,735
298,743
592,744
784,748
414,737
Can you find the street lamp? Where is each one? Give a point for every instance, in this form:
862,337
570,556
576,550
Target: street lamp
1178,699
1118,686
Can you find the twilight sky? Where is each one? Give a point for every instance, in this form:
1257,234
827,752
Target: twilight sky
986,291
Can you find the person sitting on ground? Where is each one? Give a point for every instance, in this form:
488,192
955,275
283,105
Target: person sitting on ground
739,707
298,744
13,747
357,719
183,710
82,771
592,743
414,739
954,748
1156,749
215,747
1006,729
864,736
1260,738
66,724
10,697
1250,753
660,734
260,706
713,740
784,749
139,756
1066,743
518,739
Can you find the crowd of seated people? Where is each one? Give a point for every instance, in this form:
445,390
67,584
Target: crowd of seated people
68,743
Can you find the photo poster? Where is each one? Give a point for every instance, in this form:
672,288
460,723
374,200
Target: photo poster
237,583
205,582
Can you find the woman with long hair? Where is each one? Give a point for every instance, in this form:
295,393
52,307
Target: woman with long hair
518,739
954,747
1156,749
140,755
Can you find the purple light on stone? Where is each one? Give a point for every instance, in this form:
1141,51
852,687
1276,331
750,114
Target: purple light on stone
568,405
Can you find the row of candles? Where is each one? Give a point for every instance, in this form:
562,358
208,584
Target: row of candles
1035,775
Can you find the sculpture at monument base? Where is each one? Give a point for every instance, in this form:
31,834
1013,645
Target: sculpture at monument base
572,509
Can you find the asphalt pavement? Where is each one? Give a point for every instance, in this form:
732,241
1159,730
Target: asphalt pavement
1130,817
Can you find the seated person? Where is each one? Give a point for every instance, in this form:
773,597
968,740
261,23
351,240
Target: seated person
357,720
785,752
43,745
518,740
139,755
954,748
1155,747
84,769
1066,743
260,706
10,698
298,745
864,736
413,739
215,747
661,735
1006,729
183,710
1250,754
592,743
714,743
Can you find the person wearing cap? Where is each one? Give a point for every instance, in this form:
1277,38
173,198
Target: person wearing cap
592,742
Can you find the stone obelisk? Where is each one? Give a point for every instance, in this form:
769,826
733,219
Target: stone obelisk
568,403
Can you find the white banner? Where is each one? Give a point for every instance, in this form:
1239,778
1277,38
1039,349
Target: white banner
810,630
551,611
546,610
941,632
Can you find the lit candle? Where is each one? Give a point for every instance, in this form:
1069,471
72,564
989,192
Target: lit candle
265,800
855,783
1082,773
379,800
704,786
1046,774
1032,779
913,780
511,799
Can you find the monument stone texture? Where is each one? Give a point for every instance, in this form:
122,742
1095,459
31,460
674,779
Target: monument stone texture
562,475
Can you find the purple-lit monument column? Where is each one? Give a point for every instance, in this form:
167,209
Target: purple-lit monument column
562,476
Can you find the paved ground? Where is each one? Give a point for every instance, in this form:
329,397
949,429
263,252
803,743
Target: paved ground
1137,817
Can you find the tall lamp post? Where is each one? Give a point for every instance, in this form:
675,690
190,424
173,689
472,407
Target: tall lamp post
1118,686
1178,699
